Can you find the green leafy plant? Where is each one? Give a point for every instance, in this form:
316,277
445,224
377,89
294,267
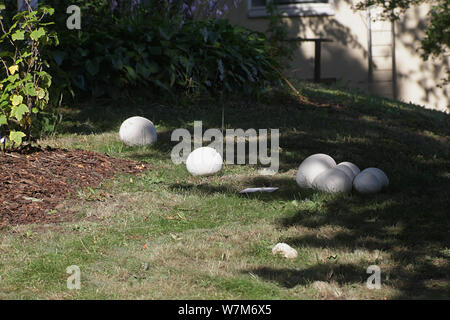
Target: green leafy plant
437,39
117,51
24,82
162,55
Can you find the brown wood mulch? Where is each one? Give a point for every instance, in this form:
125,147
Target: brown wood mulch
34,182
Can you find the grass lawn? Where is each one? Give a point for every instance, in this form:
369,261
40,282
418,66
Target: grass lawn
168,235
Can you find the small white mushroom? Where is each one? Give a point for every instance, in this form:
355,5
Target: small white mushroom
311,167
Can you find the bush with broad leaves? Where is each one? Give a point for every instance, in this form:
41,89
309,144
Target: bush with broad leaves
24,81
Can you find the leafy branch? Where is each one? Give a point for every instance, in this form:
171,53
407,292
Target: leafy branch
24,83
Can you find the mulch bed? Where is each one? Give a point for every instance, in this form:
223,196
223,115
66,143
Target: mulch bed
34,182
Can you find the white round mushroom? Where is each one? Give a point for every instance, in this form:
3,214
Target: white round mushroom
311,167
380,175
353,167
367,182
137,131
346,170
333,180
204,161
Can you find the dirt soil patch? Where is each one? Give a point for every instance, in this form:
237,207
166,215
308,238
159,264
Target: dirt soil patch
34,182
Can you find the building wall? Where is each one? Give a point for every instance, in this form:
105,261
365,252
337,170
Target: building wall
419,81
410,79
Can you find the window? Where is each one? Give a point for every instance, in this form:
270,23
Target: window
293,8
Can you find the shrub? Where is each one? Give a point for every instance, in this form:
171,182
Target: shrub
174,56
159,46
24,83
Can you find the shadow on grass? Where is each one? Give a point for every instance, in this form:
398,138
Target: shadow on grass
204,188
288,189
414,234
409,220
289,278
347,274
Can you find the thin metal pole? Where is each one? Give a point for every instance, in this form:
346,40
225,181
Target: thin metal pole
394,63
369,48
317,54
223,112
223,118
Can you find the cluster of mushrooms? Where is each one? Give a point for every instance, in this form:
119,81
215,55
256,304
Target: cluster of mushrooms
321,172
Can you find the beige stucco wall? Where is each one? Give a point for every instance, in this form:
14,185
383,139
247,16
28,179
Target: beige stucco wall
346,58
418,81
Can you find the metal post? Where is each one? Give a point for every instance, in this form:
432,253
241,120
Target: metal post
369,47
394,64
317,53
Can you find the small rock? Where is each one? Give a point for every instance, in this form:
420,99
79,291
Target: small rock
285,250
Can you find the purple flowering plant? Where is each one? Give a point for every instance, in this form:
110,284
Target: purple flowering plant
186,9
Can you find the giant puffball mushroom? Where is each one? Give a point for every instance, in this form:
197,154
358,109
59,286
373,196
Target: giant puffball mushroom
380,175
311,167
333,180
204,161
353,167
346,170
367,182
137,131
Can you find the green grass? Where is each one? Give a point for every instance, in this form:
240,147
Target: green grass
168,235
